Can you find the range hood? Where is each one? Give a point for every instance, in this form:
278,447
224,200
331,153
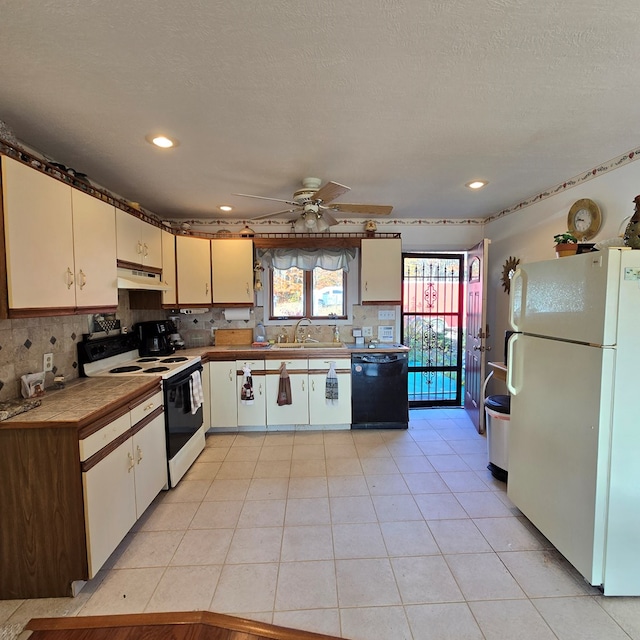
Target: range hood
137,279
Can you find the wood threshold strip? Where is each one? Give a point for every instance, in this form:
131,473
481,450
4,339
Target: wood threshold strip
204,625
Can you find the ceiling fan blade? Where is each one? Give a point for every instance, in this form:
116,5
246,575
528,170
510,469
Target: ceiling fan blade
273,215
330,191
329,219
246,195
369,209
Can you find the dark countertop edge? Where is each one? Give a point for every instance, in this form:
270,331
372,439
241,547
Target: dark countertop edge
216,354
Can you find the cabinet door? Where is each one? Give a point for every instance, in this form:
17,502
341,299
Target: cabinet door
206,396
150,454
193,263
224,397
169,267
151,239
381,270
322,411
38,238
250,415
128,241
232,270
298,411
94,246
109,504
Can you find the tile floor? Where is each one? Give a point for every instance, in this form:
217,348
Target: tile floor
371,535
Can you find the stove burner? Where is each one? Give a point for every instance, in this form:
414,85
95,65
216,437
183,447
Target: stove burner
128,369
175,359
147,359
156,369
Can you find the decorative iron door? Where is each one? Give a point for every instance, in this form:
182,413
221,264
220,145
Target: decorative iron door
432,326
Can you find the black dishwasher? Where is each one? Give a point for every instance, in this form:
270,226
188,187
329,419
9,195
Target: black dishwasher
379,391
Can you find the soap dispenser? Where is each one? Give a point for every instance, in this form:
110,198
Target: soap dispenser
336,334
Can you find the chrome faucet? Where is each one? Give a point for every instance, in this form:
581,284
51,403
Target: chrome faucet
296,335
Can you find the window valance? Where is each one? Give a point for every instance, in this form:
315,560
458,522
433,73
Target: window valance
307,259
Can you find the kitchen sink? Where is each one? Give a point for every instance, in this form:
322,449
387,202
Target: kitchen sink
309,345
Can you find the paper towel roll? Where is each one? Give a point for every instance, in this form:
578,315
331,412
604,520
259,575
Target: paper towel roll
237,313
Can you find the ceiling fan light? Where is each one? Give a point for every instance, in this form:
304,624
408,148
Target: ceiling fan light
300,225
322,224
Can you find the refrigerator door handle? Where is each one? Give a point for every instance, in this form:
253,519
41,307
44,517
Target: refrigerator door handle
522,299
512,387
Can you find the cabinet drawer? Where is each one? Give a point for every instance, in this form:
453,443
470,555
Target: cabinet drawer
145,408
254,365
102,438
293,364
323,363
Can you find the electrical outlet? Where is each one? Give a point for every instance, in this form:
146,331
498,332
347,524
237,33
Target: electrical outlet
48,362
367,332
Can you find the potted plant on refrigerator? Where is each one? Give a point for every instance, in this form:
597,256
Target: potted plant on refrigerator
566,244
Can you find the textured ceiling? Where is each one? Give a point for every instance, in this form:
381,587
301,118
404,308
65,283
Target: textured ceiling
404,101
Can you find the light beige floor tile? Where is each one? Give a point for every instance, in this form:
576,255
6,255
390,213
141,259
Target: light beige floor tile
435,448
217,515
396,508
340,450
222,440
213,454
258,544
185,589
358,541
371,451
308,437
366,583
249,439
439,506
228,489
379,466
447,463
262,513
476,445
543,573
313,487
243,469
492,483
475,461
192,491
501,619
342,436
387,485
168,516
404,448
243,454
308,451
413,464
276,452
268,489
203,471
21,611
463,481
458,536
344,467
203,547
352,509
425,579
308,468
510,534
325,621
149,549
306,585
8,607
301,511
483,504
241,585
482,576
309,542
457,433
578,618
279,438
375,623
625,611
425,483
123,591
272,469
347,486
411,538
424,435
452,621
367,436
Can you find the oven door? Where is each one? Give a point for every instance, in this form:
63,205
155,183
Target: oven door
180,422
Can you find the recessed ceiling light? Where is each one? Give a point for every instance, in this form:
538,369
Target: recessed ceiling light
163,142
225,207
476,184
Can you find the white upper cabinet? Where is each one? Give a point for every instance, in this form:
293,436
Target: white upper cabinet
232,271
138,241
381,270
193,265
60,243
169,268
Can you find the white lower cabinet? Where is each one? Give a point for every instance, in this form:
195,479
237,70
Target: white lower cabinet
322,411
296,413
120,487
223,392
252,415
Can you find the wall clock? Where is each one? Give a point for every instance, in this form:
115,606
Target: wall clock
509,268
584,219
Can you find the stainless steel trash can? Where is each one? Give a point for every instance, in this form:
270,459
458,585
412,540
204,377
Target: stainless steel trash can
497,411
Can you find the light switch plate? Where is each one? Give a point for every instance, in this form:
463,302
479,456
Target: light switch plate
386,314
367,332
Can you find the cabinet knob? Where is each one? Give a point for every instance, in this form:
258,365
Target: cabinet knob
148,407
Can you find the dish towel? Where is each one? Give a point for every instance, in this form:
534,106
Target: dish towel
331,387
284,386
195,391
246,393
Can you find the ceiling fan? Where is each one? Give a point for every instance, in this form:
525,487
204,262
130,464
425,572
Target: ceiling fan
312,202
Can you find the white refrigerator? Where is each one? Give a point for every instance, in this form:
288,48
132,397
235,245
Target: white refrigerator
574,437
